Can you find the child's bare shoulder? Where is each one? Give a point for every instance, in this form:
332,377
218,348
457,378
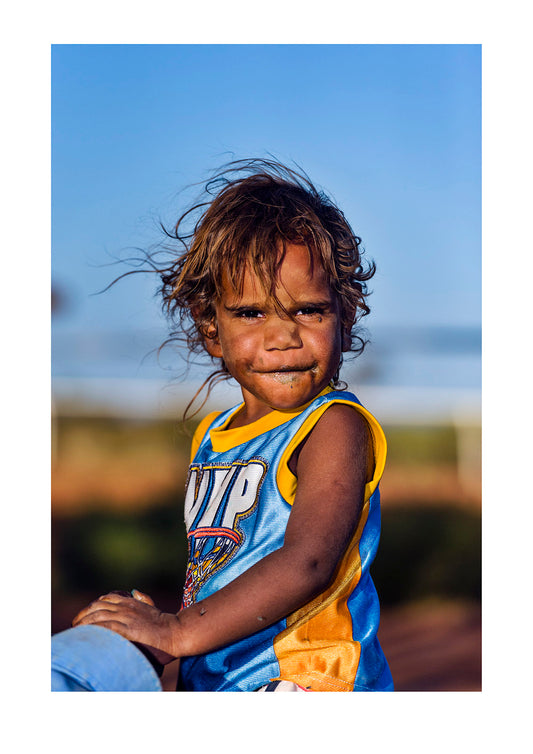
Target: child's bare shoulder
341,435
343,417
341,428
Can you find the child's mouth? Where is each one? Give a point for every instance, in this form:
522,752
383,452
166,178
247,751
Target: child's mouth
287,375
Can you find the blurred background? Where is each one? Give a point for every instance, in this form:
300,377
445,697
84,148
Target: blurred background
393,134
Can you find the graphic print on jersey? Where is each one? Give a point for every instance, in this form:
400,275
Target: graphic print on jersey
217,497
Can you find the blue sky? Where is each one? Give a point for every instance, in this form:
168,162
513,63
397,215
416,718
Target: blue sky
392,132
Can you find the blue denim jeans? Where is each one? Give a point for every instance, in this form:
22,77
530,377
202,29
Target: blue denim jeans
92,658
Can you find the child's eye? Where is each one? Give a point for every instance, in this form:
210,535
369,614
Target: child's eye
249,314
310,311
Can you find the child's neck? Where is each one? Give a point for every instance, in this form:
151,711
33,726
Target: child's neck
248,414
244,416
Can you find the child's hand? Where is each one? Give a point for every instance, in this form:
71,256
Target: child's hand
136,618
161,658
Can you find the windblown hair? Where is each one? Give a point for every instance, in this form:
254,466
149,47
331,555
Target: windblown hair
253,208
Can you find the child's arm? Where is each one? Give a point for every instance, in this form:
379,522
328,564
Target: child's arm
332,470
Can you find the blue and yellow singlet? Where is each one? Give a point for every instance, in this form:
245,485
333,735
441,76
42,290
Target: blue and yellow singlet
238,499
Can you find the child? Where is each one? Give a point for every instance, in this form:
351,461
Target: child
282,501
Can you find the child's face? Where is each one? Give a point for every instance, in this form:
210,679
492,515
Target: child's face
280,362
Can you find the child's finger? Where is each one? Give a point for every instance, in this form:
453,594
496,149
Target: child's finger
114,597
97,605
94,613
142,597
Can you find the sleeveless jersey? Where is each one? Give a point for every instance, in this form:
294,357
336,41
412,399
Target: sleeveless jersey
238,500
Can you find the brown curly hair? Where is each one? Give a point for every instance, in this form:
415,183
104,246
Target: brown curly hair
251,210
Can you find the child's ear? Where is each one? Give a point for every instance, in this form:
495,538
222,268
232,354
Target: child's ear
208,330
211,340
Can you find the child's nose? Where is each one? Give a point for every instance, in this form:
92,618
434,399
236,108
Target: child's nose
281,333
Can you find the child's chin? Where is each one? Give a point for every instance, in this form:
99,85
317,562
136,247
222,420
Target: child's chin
291,397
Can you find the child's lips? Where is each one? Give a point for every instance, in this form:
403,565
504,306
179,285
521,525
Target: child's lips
285,369
287,374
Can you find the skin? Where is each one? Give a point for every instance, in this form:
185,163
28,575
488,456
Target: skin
281,361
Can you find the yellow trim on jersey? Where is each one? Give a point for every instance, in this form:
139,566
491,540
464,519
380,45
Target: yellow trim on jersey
223,439
287,481
325,623
200,431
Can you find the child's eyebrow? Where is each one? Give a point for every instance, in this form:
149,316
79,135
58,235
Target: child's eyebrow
242,307
318,304
312,304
